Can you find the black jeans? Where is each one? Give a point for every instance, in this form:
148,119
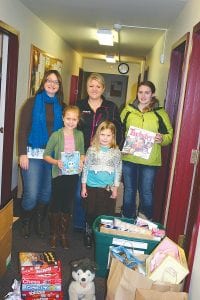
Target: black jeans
63,193
98,203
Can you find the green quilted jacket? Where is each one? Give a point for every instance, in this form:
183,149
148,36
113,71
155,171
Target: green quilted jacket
148,121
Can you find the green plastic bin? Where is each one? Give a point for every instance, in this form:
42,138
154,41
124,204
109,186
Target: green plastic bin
103,241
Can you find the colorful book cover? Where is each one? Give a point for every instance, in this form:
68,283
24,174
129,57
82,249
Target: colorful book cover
139,142
71,162
37,259
36,153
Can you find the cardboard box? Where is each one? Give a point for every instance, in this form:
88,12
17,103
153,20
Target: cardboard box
5,246
167,263
6,218
132,234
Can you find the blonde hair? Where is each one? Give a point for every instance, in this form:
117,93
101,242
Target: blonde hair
104,125
72,108
98,77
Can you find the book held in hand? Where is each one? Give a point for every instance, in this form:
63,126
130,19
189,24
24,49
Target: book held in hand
139,142
71,162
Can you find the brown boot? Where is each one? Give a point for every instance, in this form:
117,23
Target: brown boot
64,225
54,219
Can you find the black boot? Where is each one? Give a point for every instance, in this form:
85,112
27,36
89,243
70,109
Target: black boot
64,226
87,239
54,220
41,213
26,217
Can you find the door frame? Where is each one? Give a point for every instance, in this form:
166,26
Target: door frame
174,86
9,120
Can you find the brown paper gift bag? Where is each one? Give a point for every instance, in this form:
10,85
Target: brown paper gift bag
122,282
143,294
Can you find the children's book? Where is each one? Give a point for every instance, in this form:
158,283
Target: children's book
71,162
36,153
139,142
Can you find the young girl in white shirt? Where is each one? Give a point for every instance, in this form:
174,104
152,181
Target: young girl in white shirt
101,176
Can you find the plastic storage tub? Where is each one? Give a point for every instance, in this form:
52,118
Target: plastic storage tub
103,241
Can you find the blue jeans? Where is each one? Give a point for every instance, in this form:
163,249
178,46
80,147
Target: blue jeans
141,178
36,184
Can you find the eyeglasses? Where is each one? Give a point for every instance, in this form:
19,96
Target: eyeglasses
56,82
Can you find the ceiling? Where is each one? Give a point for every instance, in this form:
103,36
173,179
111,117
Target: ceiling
77,21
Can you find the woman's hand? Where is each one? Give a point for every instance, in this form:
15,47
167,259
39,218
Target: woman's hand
158,138
24,162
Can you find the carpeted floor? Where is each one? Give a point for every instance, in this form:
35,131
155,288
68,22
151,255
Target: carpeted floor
34,244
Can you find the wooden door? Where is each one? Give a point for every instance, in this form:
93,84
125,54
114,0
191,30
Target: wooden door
188,147
7,128
171,105
73,90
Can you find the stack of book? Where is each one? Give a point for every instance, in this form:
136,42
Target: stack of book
41,276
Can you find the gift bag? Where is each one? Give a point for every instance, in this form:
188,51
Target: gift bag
143,294
122,282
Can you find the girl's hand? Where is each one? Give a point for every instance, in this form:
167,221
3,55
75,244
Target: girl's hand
158,138
24,162
81,165
84,193
59,164
114,193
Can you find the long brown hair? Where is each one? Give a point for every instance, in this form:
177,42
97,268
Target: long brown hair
104,125
59,93
154,100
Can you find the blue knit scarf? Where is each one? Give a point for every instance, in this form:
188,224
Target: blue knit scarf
38,135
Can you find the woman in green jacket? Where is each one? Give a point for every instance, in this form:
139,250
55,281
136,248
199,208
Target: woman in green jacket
139,173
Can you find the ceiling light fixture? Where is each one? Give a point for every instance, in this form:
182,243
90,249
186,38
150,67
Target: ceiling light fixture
105,37
110,59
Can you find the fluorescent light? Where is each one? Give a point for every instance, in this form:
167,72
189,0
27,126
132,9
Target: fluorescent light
105,37
110,59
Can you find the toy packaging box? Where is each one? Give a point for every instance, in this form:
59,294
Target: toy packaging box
41,275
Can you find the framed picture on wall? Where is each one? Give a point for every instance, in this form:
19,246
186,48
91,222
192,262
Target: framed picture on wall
40,61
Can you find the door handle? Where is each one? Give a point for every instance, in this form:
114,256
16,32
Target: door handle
1,129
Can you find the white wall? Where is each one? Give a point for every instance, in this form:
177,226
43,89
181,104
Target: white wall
101,66
194,292
33,31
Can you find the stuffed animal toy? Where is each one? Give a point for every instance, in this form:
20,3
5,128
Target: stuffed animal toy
83,273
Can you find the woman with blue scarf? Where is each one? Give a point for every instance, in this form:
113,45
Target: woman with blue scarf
40,116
